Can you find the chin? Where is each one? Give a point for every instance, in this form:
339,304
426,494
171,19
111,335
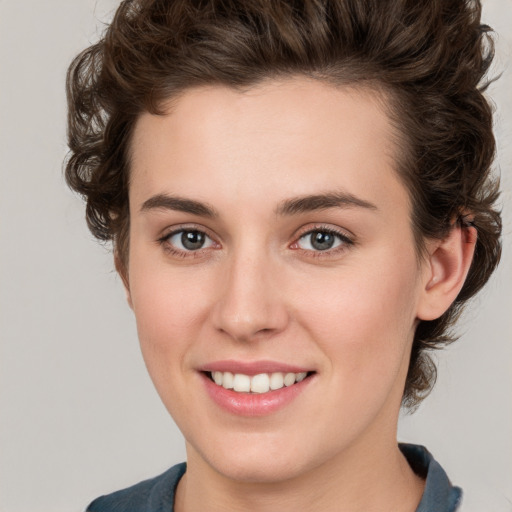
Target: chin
261,471
261,460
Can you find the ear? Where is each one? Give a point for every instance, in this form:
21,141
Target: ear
123,273
446,269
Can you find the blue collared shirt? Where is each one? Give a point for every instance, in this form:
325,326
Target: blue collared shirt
157,494
439,494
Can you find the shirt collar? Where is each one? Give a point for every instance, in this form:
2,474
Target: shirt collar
439,494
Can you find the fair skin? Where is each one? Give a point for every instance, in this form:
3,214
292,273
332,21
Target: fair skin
269,231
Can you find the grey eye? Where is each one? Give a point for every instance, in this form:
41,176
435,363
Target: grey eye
190,240
319,241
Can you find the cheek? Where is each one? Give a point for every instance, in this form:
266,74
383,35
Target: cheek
169,311
170,315
364,320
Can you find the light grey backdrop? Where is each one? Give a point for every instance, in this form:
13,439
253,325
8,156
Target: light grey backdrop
79,416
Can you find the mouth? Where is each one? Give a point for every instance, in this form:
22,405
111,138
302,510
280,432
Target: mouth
258,388
256,384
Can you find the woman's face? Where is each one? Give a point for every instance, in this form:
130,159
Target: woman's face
269,236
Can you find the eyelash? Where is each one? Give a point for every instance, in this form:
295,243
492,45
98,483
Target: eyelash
345,242
169,248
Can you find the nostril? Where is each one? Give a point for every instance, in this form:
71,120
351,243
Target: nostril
264,331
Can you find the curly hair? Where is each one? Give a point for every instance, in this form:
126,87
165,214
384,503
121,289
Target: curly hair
430,58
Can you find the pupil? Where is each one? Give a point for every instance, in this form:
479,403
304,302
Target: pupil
322,241
192,240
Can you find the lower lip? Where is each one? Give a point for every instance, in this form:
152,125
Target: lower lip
253,404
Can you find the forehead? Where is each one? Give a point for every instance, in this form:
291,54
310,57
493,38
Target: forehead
294,136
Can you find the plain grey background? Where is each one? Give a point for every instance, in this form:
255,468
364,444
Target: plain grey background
79,416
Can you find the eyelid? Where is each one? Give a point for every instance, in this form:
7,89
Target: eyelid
330,228
207,241
171,231
347,239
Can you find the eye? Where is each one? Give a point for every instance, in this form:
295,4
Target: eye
188,240
321,240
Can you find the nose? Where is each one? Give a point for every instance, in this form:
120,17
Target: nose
251,304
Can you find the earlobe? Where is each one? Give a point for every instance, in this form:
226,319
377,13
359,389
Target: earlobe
446,269
123,273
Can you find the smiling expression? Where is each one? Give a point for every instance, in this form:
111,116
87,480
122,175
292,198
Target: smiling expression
270,236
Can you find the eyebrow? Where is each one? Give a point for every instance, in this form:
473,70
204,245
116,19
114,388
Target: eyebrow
180,204
292,206
315,202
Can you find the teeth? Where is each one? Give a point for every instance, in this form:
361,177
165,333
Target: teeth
227,380
289,379
261,383
242,382
276,381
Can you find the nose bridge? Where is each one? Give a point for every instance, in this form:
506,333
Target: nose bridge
250,304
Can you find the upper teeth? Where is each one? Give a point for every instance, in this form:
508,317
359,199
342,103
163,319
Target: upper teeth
261,383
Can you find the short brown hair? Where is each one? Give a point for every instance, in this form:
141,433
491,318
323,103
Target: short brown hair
430,57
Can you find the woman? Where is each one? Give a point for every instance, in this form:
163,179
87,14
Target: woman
300,203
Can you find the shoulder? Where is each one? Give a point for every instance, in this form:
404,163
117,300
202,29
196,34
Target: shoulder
439,494
153,495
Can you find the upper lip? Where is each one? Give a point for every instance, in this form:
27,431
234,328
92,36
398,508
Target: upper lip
252,367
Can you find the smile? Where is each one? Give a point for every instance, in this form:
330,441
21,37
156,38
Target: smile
255,389
260,383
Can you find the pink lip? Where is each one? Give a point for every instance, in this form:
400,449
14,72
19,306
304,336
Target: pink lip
252,367
252,404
